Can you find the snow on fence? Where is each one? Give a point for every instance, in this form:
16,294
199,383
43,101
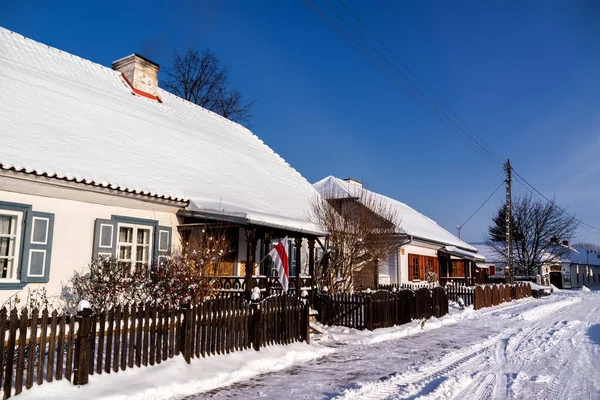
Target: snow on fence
492,295
382,308
75,347
466,293
267,284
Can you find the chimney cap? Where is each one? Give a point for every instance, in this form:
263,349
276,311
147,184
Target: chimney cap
132,57
352,180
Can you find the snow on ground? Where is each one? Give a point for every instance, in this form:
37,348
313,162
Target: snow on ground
535,349
175,378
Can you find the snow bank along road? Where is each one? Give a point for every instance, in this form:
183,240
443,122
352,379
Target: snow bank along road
530,349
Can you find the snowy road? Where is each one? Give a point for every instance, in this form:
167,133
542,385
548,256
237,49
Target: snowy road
534,349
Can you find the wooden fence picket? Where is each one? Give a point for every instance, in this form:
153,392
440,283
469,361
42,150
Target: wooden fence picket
21,352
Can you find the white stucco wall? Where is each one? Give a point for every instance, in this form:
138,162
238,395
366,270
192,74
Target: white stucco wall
74,222
582,275
396,265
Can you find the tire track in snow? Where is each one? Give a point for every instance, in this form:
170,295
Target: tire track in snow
558,389
414,384
411,384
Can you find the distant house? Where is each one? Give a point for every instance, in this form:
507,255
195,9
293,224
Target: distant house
494,263
431,249
578,268
98,161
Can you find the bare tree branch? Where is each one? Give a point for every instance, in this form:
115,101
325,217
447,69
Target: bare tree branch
537,230
199,77
362,231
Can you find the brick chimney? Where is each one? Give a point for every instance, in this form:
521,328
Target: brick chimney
140,73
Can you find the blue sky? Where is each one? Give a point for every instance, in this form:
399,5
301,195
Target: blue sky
523,75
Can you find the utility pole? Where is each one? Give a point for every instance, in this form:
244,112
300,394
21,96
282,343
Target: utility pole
509,253
458,229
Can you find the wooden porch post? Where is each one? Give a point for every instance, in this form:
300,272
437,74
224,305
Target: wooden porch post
311,268
376,275
250,252
267,263
467,272
298,264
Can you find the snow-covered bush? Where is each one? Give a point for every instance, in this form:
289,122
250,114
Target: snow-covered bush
105,283
175,283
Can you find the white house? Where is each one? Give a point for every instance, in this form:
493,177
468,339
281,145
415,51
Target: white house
431,248
578,268
101,161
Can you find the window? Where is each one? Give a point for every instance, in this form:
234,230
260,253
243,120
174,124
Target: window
25,245
10,237
429,261
458,269
136,242
134,245
414,267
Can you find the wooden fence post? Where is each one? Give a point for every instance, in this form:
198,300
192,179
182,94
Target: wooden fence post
186,333
369,312
82,347
306,328
255,326
323,311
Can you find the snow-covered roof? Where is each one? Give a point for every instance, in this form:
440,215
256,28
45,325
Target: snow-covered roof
490,254
574,255
413,222
66,117
578,255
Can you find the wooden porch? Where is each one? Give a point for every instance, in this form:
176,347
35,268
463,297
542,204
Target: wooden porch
247,265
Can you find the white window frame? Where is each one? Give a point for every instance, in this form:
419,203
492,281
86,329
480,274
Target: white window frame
134,243
110,246
45,242
31,251
160,248
18,238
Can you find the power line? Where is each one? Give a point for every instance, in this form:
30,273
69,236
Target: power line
482,204
375,57
483,144
412,91
541,196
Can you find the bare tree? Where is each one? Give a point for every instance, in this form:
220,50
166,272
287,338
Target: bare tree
538,232
362,231
206,247
590,247
200,78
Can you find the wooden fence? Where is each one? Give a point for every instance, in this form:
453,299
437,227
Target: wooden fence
466,293
382,308
45,347
492,295
267,284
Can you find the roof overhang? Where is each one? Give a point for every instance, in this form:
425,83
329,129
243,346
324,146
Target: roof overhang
468,255
246,218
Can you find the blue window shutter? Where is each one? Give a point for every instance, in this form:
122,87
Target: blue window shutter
37,249
105,238
163,243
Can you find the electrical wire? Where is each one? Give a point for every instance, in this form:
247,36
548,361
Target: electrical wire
437,107
483,204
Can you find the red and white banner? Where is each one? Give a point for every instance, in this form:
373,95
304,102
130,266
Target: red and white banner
280,258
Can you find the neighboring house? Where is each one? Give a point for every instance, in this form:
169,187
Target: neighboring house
493,265
579,267
431,247
576,268
97,161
